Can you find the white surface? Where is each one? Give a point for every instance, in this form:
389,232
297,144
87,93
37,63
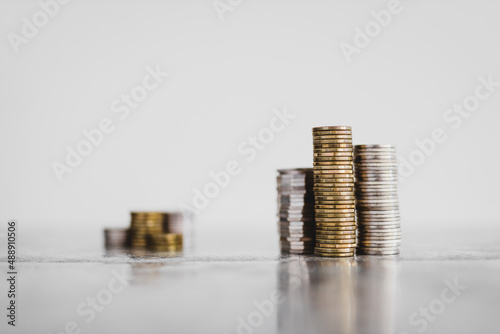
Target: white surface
226,78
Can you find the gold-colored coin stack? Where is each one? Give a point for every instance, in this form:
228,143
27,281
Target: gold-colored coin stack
165,242
334,191
144,224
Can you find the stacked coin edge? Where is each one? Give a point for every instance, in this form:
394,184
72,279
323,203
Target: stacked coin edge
334,191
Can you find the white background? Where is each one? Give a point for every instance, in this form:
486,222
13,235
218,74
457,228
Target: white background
226,77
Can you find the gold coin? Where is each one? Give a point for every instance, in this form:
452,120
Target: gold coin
332,152
336,235
337,246
333,164
335,160
339,240
334,219
333,198
334,255
344,206
333,211
333,250
326,225
332,136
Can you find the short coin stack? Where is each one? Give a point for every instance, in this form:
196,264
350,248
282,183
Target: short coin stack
116,237
296,210
377,205
334,191
144,224
165,242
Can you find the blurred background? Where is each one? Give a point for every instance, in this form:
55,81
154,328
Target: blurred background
234,69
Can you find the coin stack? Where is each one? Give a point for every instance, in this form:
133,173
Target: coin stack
296,210
167,242
334,191
377,204
143,224
116,237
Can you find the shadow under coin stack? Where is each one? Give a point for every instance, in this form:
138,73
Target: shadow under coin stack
144,224
296,210
165,242
334,191
377,207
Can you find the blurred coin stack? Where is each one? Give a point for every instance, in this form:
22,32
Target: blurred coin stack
296,210
167,242
116,237
144,224
180,223
377,204
334,191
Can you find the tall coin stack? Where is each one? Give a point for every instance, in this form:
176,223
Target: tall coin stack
334,191
377,207
143,224
296,210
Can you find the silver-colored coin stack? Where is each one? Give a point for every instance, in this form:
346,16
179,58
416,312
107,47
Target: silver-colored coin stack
116,237
377,204
296,210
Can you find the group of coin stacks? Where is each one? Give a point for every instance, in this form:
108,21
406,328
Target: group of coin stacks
296,210
148,230
334,191
377,205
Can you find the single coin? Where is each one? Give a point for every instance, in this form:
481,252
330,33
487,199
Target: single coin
377,252
327,165
323,140
328,192
336,235
332,152
352,240
332,128
333,226
333,198
331,132
332,136
334,230
333,211
336,246
333,250
334,219
344,206
319,186
337,202
320,158
375,146
341,255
